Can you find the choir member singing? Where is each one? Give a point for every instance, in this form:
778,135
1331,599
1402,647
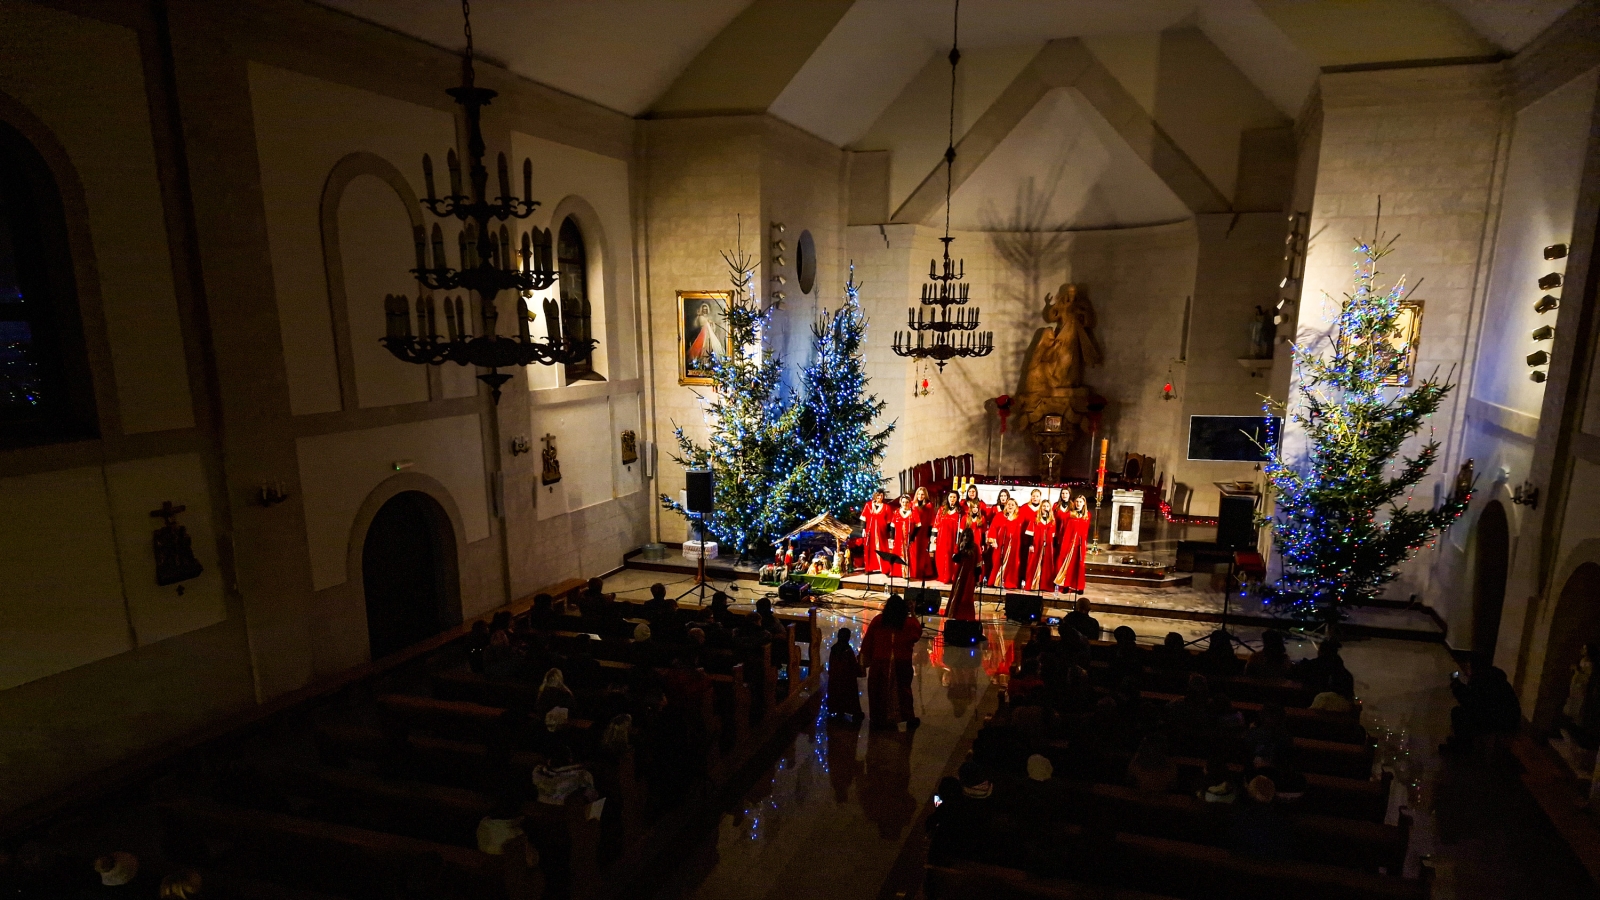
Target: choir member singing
906,525
947,525
1029,513
973,502
978,524
1072,565
1040,574
1005,541
874,524
922,502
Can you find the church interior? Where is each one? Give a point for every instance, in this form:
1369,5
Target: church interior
1208,520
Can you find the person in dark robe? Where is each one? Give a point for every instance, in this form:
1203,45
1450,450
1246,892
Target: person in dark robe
964,580
887,652
844,687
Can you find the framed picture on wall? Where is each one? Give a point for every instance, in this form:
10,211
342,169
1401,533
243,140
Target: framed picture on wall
1407,335
702,335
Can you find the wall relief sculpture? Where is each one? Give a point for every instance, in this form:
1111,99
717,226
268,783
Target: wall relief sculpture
1052,379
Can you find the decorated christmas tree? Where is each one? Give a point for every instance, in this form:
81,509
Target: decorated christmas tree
1343,521
839,451
752,434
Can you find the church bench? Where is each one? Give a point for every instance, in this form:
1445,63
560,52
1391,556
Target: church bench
358,862
417,809
1317,724
964,880
1286,693
1325,839
224,883
421,756
1366,799
402,713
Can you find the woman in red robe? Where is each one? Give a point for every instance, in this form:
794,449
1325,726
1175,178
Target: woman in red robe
874,517
948,525
1059,511
1005,542
978,524
906,525
973,501
922,502
887,651
1041,570
1071,566
963,579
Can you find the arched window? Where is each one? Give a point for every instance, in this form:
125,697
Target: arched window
46,392
573,264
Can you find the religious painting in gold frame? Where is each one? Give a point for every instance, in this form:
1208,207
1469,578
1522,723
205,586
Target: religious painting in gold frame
702,334
1407,335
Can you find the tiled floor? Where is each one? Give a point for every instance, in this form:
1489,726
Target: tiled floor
831,814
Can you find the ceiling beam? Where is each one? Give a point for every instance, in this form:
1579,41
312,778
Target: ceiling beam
1066,63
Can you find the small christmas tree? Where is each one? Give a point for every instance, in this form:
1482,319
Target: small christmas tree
1342,524
752,434
840,453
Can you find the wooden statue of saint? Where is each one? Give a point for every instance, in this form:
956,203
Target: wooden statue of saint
1052,379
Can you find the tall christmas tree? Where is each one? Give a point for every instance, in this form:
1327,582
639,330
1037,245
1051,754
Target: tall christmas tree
1343,523
840,452
752,433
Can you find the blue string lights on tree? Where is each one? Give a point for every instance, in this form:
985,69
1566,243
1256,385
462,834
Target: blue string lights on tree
752,433
839,451
1340,526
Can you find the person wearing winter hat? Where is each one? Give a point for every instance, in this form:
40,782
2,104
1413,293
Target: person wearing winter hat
1040,768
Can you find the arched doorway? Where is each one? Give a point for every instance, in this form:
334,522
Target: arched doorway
1491,551
408,572
1576,622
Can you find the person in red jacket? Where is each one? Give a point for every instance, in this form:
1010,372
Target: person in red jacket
874,518
886,651
948,525
1005,543
1041,570
922,502
1071,567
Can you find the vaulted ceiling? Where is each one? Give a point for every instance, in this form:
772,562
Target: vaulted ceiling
871,75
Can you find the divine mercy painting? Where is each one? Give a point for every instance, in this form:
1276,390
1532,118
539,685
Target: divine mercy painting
701,334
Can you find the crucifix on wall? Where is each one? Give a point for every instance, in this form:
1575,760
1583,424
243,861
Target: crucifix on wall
175,559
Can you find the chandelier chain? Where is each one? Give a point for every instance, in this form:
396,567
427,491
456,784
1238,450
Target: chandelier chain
950,149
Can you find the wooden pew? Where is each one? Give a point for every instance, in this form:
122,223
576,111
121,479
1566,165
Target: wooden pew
1366,799
356,862
413,808
1318,724
964,880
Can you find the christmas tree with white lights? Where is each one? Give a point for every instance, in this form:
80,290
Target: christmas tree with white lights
1343,522
840,452
752,433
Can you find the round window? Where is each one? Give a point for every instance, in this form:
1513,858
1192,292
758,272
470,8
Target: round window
805,262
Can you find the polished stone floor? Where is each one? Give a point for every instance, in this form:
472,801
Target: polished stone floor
837,812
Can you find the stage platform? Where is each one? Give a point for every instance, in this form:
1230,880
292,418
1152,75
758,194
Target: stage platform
1188,606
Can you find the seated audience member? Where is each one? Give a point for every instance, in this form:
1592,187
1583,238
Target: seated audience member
543,614
748,634
1026,682
498,659
1040,641
1219,661
501,621
844,681
1172,655
1127,660
1080,620
720,613
1218,782
1487,704
1226,720
184,884
1268,739
658,609
769,621
1151,770
1317,673
1340,695
1073,648
553,692
1272,660
500,827
1189,717
559,780
1259,827
477,642
945,825
120,875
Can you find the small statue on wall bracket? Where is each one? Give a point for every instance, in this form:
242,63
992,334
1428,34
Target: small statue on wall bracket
175,560
520,445
552,465
1263,335
630,448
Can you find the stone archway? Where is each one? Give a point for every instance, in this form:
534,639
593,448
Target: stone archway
408,573
1574,623
1491,555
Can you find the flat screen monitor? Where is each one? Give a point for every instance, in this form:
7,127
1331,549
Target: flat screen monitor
1233,437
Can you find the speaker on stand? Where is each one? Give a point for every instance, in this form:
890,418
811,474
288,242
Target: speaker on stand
698,498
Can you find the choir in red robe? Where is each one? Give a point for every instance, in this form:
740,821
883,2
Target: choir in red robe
874,521
1005,547
923,503
905,524
1071,565
948,523
1040,572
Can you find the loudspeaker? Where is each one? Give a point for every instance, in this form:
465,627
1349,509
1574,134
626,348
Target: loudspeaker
962,633
924,601
1236,522
1024,609
793,593
697,484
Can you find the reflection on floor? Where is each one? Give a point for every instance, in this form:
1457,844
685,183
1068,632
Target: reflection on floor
830,815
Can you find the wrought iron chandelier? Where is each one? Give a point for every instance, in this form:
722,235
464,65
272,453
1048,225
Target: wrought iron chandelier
937,334
488,263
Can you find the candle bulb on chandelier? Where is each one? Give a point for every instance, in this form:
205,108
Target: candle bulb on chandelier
522,320
427,176
454,165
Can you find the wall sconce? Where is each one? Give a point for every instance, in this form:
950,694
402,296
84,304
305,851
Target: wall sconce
1546,303
778,227
271,494
1537,376
1553,280
1526,494
780,279
1538,358
1543,333
520,445
778,296
1555,251
778,246
778,261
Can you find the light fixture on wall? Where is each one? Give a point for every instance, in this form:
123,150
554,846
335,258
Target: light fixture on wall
1538,358
1545,304
488,264
1552,280
1544,333
939,336
1555,251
